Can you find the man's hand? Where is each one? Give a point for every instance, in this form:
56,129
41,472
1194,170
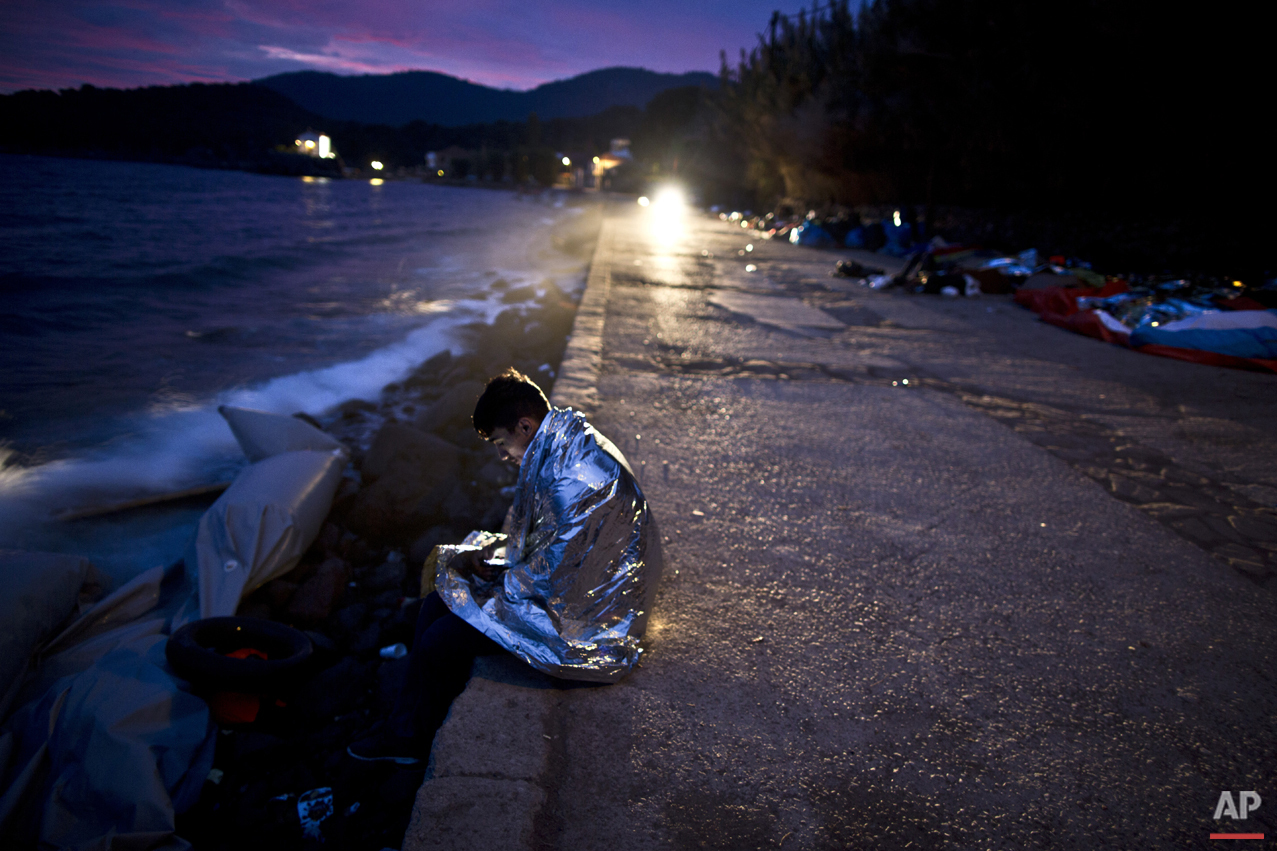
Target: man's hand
474,563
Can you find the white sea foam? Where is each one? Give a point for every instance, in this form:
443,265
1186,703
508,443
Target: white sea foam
181,448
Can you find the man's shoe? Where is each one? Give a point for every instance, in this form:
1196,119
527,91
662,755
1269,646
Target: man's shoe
381,746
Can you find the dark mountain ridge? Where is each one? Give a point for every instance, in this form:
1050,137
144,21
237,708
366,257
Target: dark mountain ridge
397,99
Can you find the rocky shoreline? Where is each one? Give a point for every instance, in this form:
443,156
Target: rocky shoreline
419,476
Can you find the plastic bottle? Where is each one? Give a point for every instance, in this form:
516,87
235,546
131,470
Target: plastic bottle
394,651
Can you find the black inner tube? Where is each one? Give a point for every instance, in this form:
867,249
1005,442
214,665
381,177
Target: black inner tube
198,652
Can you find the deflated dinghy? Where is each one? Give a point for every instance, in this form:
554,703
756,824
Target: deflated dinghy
265,521
105,744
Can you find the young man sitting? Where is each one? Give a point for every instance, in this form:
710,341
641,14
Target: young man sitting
567,587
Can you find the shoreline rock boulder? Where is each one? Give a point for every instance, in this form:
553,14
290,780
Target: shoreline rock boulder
452,410
409,474
314,599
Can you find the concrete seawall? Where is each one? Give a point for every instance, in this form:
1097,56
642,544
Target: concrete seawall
488,769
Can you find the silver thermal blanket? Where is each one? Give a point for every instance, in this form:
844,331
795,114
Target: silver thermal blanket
582,559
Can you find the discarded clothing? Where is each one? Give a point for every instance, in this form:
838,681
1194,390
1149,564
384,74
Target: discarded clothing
811,235
1241,334
870,237
1160,325
852,269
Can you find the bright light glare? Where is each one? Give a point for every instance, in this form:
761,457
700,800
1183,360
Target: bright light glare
895,217
643,202
669,198
596,160
667,217
377,165
749,247
567,161
376,181
310,143
441,172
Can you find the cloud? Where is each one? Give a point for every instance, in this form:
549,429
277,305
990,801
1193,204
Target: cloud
321,61
496,42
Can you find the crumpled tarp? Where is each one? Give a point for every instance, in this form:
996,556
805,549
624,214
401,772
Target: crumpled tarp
583,559
106,746
38,591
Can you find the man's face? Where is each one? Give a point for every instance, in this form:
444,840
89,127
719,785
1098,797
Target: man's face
512,443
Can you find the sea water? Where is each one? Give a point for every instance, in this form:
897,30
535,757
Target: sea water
136,298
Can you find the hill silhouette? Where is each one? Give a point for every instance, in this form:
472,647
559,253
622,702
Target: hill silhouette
397,99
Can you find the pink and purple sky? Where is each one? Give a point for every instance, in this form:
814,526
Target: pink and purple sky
51,44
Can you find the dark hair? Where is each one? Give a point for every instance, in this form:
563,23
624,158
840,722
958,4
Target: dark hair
507,398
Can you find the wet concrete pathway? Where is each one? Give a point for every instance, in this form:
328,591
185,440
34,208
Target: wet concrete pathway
938,576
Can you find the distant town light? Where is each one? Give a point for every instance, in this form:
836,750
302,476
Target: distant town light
376,181
895,217
312,144
567,161
596,160
643,201
377,165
